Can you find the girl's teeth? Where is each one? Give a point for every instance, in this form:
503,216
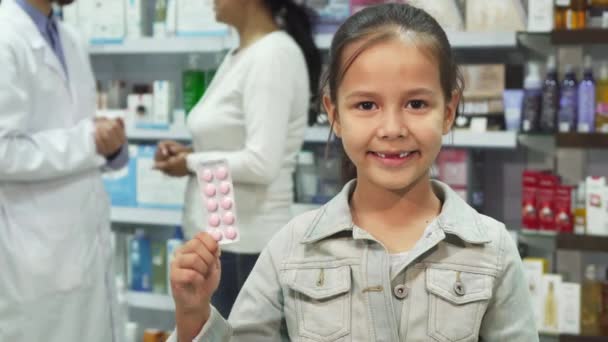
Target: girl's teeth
381,155
403,155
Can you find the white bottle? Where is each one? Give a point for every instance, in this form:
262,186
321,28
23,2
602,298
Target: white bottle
306,177
172,245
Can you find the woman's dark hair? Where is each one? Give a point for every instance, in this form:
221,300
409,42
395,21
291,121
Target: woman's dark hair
297,22
380,23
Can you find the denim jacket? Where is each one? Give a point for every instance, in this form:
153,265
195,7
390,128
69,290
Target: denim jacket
322,278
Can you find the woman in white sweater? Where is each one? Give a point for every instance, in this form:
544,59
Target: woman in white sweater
254,115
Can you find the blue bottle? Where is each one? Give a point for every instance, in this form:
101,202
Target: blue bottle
586,100
140,258
531,106
568,103
550,102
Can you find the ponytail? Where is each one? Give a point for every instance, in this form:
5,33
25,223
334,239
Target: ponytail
297,22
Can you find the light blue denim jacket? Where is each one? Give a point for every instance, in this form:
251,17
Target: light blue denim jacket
322,278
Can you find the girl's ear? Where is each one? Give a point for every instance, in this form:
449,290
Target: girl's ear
332,114
450,112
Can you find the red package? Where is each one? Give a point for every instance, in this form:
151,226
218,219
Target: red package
529,215
545,201
564,220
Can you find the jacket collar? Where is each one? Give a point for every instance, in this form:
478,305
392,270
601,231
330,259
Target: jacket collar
456,217
11,11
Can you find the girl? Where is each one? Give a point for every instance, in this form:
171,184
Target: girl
394,256
256,120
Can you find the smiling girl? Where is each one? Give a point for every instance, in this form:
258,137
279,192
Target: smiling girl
395,256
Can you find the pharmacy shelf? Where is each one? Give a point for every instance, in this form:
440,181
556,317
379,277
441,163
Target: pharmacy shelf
150,301
481,140
145,216
579,37
458,138
482,40
171,218
458,40
172,133
568,241
175,45
212,44
582,140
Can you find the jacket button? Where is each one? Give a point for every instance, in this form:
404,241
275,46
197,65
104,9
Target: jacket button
401,291
459,289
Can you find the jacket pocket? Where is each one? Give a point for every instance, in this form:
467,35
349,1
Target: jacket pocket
323,302
457,302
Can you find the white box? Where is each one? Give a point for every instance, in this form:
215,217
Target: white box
540,15
108,21
570,308
596,205
135,14
155,189
495,15
534,270
163,102
70,14
198,18
140,108
550,303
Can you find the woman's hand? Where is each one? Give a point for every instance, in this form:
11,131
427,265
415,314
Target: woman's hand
169,148
175,166
195,276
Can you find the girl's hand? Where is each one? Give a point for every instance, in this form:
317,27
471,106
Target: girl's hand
195,276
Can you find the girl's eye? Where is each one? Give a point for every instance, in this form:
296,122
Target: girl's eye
366,105
417,104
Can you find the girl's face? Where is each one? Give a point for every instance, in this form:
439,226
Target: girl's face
391,113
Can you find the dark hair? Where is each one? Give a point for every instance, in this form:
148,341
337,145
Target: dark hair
297,22
380,23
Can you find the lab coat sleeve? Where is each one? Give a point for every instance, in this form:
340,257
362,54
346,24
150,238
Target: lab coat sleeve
120,160
509,316
48,154
267,106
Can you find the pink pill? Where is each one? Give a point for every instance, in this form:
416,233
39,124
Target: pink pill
214,220
231,233
228,218
221,173
216,234
207,175
226,203
225,188
212,205
210,190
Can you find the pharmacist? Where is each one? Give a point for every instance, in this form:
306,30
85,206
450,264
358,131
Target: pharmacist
55,254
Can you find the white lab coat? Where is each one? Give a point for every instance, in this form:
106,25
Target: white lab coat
56,281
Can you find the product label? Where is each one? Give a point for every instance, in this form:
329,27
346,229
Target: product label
567,111
564,3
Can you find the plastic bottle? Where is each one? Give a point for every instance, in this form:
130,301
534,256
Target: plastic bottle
172,245
160,19
586,99
591,299
601,97
193,82
141,262
568,103
532,100
159,267
580,210
306,177
550,99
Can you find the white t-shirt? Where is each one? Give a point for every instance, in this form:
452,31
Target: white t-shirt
254,115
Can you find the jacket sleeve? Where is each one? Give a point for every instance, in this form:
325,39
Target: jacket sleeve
35,156
257,314
509,316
